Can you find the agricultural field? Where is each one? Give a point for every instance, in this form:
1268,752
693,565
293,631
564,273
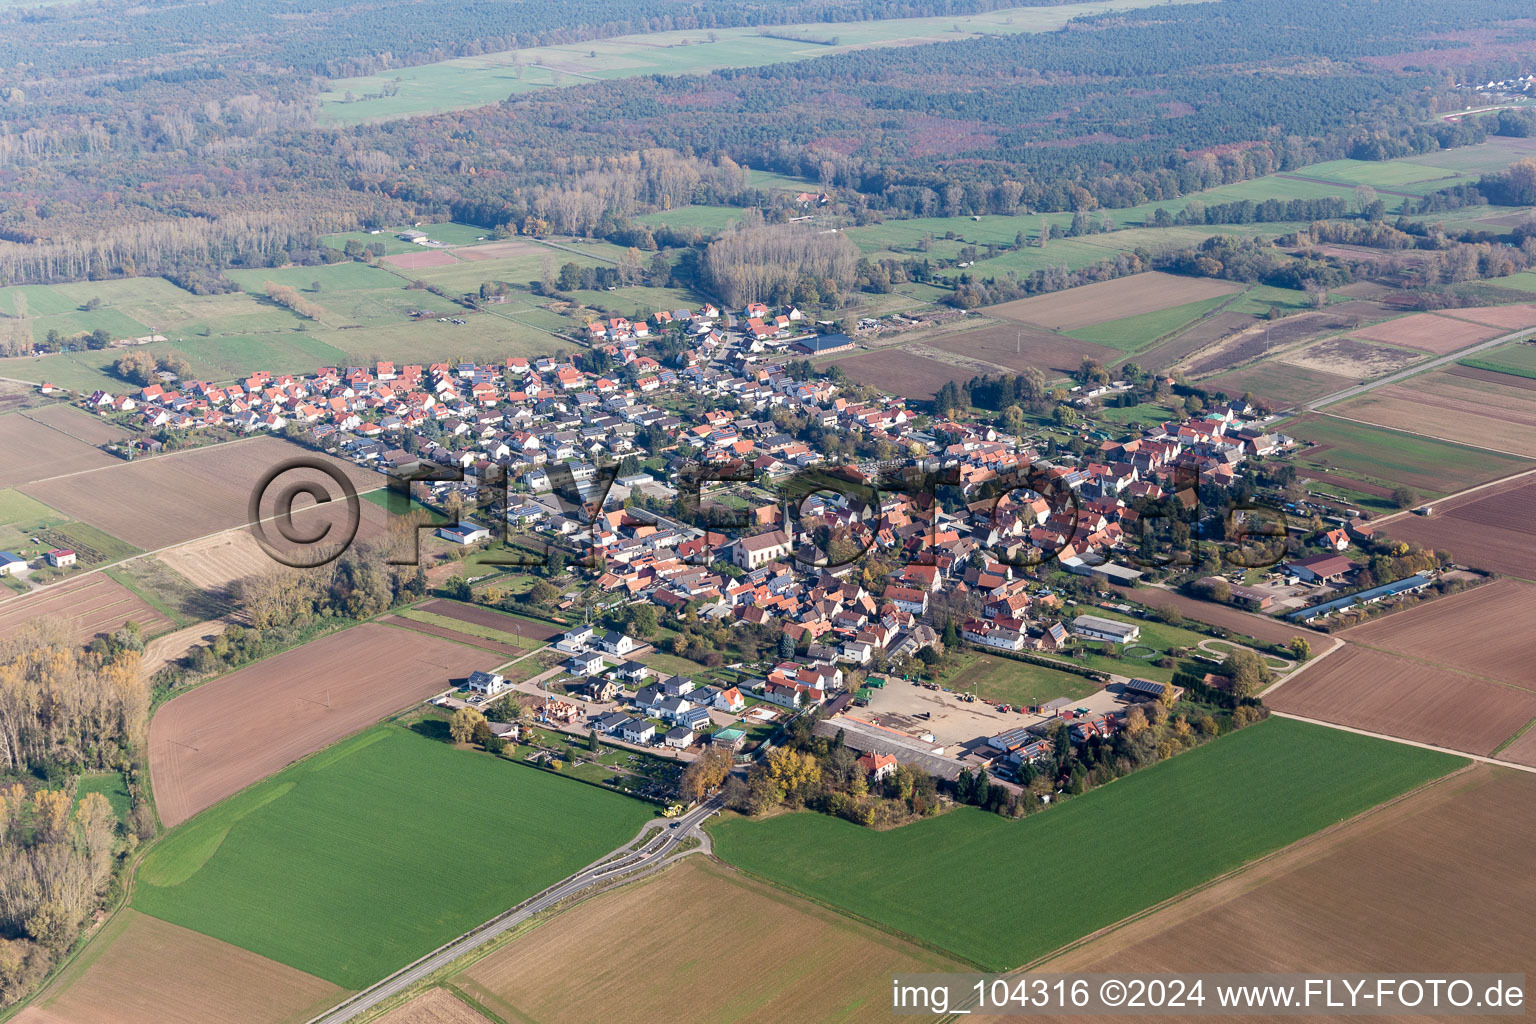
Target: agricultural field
526,632
1483,631
1352,452
902,373
1458,849
709,220
1111,300
214,563
1016,682
1346,357
1016,346
1510,318
89,605
794,960
1281,385
1436,333
1259,627
1384,693
1134,333
483,336
1207,331
225,735
490,78
434,1006
141,970
1517,359
147,502
1294,779
35,450
350,864
1491,529
1447,405
1265,337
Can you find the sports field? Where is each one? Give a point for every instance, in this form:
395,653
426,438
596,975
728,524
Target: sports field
356,861
1001,893
1016,682
790,960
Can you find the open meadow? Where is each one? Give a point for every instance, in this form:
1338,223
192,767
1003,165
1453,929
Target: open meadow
1202,813
793,960
1441,873
1397,696
350,864
225,735
1516,359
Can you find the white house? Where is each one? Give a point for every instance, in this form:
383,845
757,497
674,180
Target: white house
585,663
488,683
638,730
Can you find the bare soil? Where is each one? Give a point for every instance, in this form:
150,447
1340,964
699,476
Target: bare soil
1112,300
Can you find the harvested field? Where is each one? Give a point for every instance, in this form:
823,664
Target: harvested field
1267,336
1523,750
1492,529
90,604
1335,902
1484,631
175,498
482,616
1111,300
796,961
168,647
37,451
1260,627
1207,332
1455,408
502,250
240,728
78,423
213,563
1510,318
902,373
435,1006
1508,380
1348,357
1384,693
1429,332
1020,347
420,260
1280,385
142,970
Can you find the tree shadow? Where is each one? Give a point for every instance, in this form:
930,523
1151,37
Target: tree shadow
432,729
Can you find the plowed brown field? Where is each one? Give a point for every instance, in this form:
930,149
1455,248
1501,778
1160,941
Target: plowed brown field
1454,408
36,451
1430,332
152,972
1383,693
223,736
433,1007
91,604
1485,631
1493,529
1112,300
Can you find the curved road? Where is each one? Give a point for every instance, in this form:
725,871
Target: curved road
652,853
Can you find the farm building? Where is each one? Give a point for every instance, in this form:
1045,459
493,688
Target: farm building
1408,585
878,766
1147,688
10,563
1321,568
60,558
1112,630
463,533
823,344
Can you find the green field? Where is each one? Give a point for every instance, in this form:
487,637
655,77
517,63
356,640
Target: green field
16,507
111,785
1003,893
710,220
1012,682
491,78
355,861
1134,333
472,629
1387,458
1518,358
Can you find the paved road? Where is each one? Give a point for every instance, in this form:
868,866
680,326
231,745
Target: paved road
653,851
1433,364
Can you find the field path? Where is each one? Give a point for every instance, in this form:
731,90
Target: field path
653,852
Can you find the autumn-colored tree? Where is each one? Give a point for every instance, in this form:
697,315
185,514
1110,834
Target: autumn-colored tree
464,723
705,774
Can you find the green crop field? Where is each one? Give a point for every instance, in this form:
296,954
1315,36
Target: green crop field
1518,358
354,862
1386,458
491,78
1003,893
1134,333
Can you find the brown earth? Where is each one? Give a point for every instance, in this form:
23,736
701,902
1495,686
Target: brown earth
1279,385
740,950
435,1006
78,423
169,646
1020,347
1348,357
1522,751
91,604
507,651
490,617
1492,529
1269,336
1510,318
1439,877
1429,332
1508,380
37,451
902,373
1111,300
225,735
1260,627
148,971
420,260
171,499
1484,631
1453,408
213,563
1396,696
1205,332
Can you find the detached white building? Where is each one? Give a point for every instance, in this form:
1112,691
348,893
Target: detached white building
1112,630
